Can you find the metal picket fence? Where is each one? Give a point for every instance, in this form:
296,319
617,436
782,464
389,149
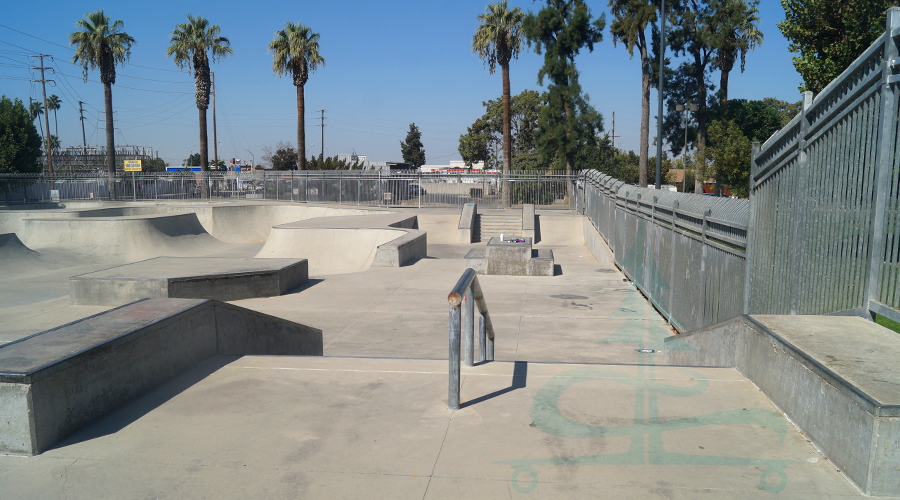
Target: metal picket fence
685,252
824,197
343,187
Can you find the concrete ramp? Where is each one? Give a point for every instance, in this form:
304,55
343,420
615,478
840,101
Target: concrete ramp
17,260
121,239
834,377
340,245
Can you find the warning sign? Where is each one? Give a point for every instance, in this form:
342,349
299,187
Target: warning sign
132,165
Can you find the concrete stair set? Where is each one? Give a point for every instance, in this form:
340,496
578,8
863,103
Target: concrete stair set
495,223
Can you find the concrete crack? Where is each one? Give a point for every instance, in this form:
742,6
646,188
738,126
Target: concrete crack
438,457
65,475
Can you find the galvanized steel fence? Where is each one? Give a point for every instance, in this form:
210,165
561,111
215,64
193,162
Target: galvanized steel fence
824,197
372,188
685,252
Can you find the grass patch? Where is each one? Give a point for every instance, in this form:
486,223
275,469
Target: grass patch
887,323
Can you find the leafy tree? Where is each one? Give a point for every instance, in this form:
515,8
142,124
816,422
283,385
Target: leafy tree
757,120
786,110
830,35
729,154
332,163
37,110
101,46
295,49
284,158
412,149
154,165
194,44
20,144
629,24
193,160
54,143
694,24
560,30
53,104
737,33
498,40
484,139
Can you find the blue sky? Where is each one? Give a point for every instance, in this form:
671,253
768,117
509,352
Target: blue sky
388,64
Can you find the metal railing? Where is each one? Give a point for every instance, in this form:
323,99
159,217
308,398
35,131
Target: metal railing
685,252
343,187
825,197
467,294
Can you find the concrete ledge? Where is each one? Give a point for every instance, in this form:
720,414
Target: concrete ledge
467,223
595,243
508,258
220,278
541,263
60,380
476,260
400,251
834,377
528,221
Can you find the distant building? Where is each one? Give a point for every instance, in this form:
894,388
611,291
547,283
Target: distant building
454,167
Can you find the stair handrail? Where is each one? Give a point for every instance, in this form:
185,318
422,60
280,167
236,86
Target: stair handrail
467,292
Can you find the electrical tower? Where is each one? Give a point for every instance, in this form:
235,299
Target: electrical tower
322,124
614,131
46,113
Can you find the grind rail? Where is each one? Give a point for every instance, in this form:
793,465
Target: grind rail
467,292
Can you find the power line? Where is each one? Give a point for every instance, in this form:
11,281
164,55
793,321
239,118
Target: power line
36,38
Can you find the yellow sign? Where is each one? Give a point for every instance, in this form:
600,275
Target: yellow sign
132,165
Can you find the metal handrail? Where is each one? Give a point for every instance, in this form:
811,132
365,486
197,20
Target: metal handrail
467,292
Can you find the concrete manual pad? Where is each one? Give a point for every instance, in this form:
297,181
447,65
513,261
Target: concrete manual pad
220,278
300,427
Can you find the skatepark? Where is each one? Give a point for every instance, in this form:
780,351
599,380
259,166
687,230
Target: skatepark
328,377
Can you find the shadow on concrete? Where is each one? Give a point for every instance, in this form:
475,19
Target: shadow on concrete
557,270
520,373
537,229
130,413
311,282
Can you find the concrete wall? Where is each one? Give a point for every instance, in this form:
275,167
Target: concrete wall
400,251
528,221
595,243
466,223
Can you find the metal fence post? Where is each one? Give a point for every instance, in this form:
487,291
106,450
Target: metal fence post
884,165
703,266
799,212
751,228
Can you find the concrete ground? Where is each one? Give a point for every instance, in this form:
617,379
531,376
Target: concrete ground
571,409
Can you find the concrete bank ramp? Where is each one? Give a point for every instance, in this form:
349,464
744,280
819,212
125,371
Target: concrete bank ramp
121,239
17,260
339,245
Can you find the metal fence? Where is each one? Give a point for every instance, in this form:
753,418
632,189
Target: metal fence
824,197
685,252
371,188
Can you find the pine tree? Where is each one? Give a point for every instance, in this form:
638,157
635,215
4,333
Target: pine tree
413,150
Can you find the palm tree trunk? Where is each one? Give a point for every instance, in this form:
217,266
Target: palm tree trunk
701,120
55,124
645,111
301,129
723,109
110,140
204,141
507,138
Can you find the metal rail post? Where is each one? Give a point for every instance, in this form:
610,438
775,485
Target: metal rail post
453,394
469,302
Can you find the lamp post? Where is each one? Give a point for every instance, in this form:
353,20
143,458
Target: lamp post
685,107
252,159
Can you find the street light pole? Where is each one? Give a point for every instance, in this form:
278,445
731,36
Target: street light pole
252,159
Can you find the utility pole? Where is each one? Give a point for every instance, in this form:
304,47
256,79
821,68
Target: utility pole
215,141
322,156
614,131
81,112
46,115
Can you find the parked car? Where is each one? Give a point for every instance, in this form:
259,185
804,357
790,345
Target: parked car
416,190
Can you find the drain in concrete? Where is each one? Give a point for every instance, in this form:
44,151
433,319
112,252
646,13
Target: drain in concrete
566,296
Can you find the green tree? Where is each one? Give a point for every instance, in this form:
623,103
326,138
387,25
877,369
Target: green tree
629,25
101,46
498,40
757,120
830,35
786,110
412,149
474,145
20,144
193,160
284,158
37,110
53,104
295,49
484,139
694,25
737,33
729,155
154,165
53,142
193,45
560,30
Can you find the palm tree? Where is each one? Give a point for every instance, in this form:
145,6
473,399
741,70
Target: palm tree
100,46
37,109
190,43
53,104
630,21
738,33
295,49
498,40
